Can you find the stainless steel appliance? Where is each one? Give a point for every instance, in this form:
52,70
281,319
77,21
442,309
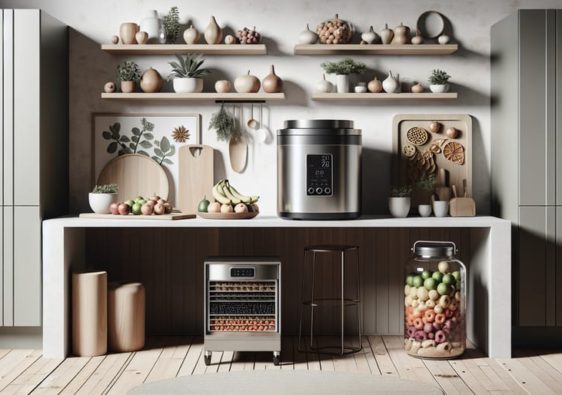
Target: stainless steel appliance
242,305
319,170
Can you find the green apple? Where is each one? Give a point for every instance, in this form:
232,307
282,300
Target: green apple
137,208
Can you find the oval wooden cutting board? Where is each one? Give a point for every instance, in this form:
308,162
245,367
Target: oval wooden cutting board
135,175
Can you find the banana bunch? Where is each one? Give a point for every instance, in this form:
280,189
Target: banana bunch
225,193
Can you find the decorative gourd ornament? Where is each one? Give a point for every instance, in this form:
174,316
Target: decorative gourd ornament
335,31
213,32
223,86
417,88
324,86
191,35
386,35
417,39
443,39
151,81
375,85
391,84
272,83
401,35
308,36
370,36
247,83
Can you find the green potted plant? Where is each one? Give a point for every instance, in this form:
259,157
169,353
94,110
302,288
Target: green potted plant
171,25
187,72
342,70
399,201
438,81
102,197
425,189
128,73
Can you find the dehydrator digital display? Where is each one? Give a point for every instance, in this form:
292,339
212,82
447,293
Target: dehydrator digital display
237,272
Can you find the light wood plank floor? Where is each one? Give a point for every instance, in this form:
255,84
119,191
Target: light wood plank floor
26,371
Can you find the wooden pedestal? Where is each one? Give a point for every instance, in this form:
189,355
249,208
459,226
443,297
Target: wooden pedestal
126,304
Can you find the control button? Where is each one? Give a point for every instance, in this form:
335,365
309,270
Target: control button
327,191
319,191
311,191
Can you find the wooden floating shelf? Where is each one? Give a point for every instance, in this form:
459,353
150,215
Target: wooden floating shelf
205,96
385,96
376,49
171,49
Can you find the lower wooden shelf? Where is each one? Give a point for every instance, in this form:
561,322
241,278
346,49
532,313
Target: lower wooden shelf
384,96
205,96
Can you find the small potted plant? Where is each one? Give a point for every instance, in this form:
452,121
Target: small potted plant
342,70
424,188
102,197
128,73
438,81
171,26
399,201
187,72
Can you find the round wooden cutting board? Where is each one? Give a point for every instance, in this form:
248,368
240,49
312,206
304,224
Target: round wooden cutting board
135,175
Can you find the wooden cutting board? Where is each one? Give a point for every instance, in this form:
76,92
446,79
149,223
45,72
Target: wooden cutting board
196,175
170,217
135,175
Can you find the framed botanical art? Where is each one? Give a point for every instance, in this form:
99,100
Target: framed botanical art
157,136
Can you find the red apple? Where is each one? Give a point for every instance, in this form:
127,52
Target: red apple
123,209
114,208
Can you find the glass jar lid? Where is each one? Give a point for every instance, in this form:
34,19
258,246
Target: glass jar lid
434,249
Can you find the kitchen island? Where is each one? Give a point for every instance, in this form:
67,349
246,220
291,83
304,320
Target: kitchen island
70,243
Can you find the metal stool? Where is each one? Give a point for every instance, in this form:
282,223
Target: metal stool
341,301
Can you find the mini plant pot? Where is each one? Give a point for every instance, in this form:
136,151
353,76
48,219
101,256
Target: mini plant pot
188,85
100,202
342,83
424,210
128,86
441,208
439,88
399,206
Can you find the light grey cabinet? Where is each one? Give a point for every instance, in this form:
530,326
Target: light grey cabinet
526,158
34,148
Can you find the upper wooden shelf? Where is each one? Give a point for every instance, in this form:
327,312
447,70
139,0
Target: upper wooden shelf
171,49
375,49
205,96
385,96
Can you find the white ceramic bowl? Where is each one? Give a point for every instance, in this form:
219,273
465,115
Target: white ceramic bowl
188,85
100,202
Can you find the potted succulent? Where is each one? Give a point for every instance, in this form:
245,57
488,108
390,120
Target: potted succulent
424,189
187,72
438,81
128,73
342,70
399,201
102,197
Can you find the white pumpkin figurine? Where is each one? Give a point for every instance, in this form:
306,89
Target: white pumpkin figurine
391,84
247,83
308,36
417,39
444,39
325,86
369,37
223,86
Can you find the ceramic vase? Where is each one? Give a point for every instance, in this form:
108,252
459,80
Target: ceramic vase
127,32
424,210
308,36
141,37
439,88
399,206
191,35
151,81
213,32
342,83
441,208
391,84
188,85
128,86
151,25
100,202
272,83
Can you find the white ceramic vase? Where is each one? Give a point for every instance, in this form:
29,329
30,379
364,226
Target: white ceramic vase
342,83
188,85
439,88
100,202
441,208
151,25
399,206
424,210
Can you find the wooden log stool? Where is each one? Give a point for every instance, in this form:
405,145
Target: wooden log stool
126,316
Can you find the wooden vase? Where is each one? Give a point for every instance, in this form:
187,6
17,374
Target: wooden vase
126,317
89,314
128,86
213,32
272,83
127,32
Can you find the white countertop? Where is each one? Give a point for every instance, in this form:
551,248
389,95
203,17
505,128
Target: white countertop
276,222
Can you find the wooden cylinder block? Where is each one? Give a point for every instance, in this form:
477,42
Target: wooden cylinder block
89,313
126,305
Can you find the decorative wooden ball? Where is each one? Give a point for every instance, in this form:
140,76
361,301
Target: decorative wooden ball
109,87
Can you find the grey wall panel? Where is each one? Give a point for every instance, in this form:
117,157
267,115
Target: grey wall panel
8,263
559,108
550,108
8,108
558,247
533,160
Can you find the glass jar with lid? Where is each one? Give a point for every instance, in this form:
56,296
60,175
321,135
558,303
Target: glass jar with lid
435,301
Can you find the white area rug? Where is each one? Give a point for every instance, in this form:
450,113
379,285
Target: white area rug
281,383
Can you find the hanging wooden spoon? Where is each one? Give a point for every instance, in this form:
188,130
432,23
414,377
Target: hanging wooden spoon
252,122
238,151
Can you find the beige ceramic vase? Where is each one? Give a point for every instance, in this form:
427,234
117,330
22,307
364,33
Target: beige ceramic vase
272,83
128,86
213,32
127,32
141,37
151,81
191,35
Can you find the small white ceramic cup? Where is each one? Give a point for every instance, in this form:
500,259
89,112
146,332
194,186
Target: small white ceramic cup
424,210
441,208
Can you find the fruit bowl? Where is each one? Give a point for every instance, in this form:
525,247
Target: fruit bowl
227,215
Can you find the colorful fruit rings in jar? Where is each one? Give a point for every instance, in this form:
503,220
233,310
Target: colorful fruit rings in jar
434,301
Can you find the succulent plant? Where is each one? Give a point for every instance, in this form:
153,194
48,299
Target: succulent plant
188,67
344,67
108,188
439,77
128,71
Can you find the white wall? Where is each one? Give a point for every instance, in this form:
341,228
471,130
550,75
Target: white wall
94,22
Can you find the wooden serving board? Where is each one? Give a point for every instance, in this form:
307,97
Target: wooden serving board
196,175
227,215
176,215
408,170
135,175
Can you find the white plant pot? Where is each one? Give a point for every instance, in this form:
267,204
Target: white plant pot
441,208
100,202
151,25
399,206
439,88
424,210
188,85
342,83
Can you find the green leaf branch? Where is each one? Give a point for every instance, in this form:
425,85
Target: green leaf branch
163,150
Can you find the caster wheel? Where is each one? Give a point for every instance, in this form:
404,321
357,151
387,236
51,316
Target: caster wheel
207,360
276,360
